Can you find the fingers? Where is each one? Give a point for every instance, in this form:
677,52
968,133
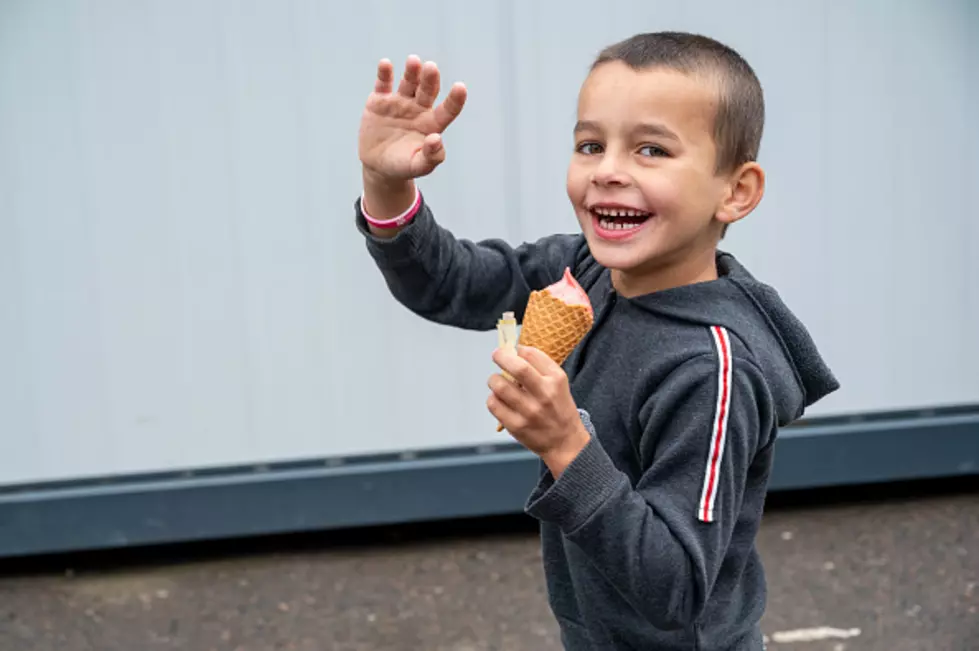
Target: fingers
521,370
428,88
506,402
539,360
385,77
412,77
537,373
506,418
423,83
451,106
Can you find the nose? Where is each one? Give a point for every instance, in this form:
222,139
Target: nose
609,172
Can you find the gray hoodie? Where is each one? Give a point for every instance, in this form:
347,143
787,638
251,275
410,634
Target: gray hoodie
648,536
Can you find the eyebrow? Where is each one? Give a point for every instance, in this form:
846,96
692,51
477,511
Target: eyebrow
645,128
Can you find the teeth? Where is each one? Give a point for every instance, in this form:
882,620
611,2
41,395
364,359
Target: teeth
620,212
610,225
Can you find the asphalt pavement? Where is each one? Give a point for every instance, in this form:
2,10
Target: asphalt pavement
892,569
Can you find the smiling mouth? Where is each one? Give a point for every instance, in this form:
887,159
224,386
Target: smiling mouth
616,223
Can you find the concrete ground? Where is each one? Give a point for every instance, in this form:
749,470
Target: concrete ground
891,570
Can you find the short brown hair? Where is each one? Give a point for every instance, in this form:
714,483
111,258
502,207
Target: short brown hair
740,116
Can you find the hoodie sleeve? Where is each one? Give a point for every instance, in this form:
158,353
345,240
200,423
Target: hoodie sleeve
661,542
462,283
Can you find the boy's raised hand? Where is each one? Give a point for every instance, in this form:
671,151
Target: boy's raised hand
400,131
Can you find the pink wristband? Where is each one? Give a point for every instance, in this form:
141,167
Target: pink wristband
394,222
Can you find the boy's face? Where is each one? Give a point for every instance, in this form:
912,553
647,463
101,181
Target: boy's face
642,177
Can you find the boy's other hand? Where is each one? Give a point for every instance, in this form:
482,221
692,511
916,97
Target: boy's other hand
537,409
400,131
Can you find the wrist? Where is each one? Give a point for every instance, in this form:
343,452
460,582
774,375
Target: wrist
558,459
387,197
388,204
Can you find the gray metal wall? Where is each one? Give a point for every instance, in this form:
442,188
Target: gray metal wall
179,269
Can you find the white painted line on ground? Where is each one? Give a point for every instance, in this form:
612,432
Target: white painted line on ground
814,634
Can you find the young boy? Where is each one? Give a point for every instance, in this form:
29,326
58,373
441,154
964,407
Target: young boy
656,436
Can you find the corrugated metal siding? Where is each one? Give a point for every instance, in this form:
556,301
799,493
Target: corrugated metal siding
179,271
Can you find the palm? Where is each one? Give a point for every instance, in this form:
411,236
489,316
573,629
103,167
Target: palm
400,131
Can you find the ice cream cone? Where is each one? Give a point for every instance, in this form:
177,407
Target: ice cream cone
557,318
553,326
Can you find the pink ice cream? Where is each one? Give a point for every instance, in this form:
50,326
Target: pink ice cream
569,291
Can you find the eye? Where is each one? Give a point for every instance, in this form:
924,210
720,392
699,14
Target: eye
653,150
589,148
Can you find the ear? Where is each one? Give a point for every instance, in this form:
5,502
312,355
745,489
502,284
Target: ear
746,186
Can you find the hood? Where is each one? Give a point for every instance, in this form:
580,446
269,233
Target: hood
754,312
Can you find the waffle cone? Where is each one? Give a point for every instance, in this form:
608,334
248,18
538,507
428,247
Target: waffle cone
553,326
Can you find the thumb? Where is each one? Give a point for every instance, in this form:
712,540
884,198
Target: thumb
429,156
433,149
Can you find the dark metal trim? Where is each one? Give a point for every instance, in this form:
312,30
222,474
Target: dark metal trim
327,494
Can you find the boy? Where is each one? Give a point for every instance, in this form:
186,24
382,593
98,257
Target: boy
656,436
